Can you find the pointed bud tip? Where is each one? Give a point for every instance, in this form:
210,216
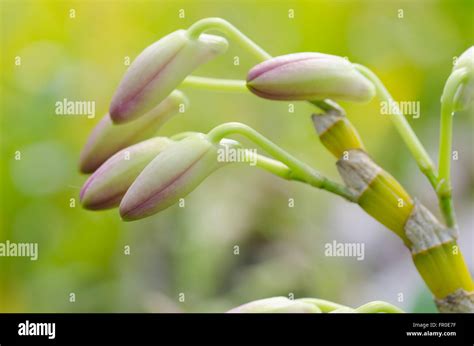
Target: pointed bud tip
107,138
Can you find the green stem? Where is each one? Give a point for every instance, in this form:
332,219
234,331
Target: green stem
216,84
268,164
231,31
300,171
403,127
273,166
445,144
447,208
281,170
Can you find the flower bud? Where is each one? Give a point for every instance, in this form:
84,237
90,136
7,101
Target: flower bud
107,138
309,76
173,174
336,132
276,305
159,69
465,93
105,188
379,194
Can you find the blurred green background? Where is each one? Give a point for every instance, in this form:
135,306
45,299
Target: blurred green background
190,250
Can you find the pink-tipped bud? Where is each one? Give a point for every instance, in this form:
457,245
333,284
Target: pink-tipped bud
173,174
309,76
105,188
108,138
159,69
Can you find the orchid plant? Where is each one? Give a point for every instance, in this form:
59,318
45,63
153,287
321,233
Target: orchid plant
142,174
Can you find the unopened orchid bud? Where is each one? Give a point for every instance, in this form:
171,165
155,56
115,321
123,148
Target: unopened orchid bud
173,174
105,188
108,138
336,132
159,69
378,193
309,76
276,305
465,93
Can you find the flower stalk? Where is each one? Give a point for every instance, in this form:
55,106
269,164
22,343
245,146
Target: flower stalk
164,170
433,246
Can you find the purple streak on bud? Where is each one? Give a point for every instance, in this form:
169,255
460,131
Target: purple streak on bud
170,176
309,76
159,69
105,188
278,62
107,138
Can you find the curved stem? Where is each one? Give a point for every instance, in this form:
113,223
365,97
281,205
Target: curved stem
445,147
378,306
268,164
231,31
403,127
300,170
216,84
445,144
